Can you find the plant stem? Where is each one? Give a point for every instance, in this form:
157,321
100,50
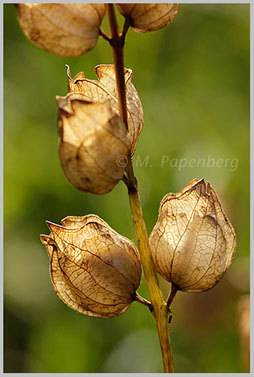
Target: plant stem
117,45
104,35
143,301
172,294
159,310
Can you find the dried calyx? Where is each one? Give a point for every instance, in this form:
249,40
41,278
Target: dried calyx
193,242
62,29
73,29
105,88
92,137
94,142
148,17
94,270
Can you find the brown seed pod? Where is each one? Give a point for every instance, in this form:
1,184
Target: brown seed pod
148,17
62,29
94,146
94,270
105,89
193,242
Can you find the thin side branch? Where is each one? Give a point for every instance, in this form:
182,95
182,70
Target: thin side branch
171,296
104,35
143,301
126,26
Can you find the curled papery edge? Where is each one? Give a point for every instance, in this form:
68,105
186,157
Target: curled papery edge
105,88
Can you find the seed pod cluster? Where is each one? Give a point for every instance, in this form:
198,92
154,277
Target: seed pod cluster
73,29
94,270
193,242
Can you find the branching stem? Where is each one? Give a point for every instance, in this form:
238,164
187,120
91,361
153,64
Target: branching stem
143,301
159,307
104,35
117,45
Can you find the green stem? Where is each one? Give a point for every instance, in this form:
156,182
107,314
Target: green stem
159,308
160,312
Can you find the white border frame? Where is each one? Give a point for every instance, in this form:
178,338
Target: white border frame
251,194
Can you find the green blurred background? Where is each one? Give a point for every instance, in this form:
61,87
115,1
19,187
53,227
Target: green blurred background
193,80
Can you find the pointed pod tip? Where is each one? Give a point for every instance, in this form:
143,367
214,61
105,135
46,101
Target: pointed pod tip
68,72
51,225
199,182
60,100
102,68
99,68
128,73
190,186
49,243
72,221
45,239
64,103
202,187
65,220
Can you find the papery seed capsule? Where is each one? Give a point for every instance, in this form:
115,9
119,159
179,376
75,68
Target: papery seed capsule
94,270
148,17
105,89
94,146
62,29
193,242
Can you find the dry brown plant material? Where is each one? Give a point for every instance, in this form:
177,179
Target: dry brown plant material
105,89
193,242
148,17
93,142
62,29
94,270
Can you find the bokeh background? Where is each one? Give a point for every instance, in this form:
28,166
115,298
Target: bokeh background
193,80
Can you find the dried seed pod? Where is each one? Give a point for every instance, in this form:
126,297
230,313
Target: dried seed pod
94,270
62,29
105,89
193,242
94,145
148,17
